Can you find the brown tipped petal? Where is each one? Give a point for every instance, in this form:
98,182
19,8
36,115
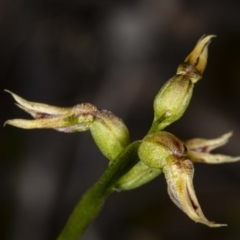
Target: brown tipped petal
205,145
180,188
198,57
36,109
202,157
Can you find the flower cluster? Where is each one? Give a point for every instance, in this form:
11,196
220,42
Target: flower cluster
159,151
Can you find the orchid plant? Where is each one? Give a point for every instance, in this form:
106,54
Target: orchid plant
134,164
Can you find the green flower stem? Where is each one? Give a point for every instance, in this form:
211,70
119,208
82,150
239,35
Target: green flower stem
92,201
155,125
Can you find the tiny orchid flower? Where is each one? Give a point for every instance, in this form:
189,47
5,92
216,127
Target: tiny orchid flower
109,132
162,150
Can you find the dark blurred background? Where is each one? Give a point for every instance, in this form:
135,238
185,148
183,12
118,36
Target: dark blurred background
116,55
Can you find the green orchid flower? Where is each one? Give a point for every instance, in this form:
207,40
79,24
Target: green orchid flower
164,151
109,132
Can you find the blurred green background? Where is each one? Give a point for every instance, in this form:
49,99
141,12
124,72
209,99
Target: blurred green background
116,55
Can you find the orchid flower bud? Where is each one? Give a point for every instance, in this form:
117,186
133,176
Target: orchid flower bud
198,57
164,151
173,98
199,150
109,133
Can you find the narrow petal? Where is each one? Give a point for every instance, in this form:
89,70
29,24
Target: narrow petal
207,145
38,123
199,148
58,123
203,157
36,109
179,175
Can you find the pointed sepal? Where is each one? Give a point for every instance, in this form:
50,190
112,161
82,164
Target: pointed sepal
199,150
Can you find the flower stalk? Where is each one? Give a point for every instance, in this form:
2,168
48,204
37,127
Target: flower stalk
92,201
